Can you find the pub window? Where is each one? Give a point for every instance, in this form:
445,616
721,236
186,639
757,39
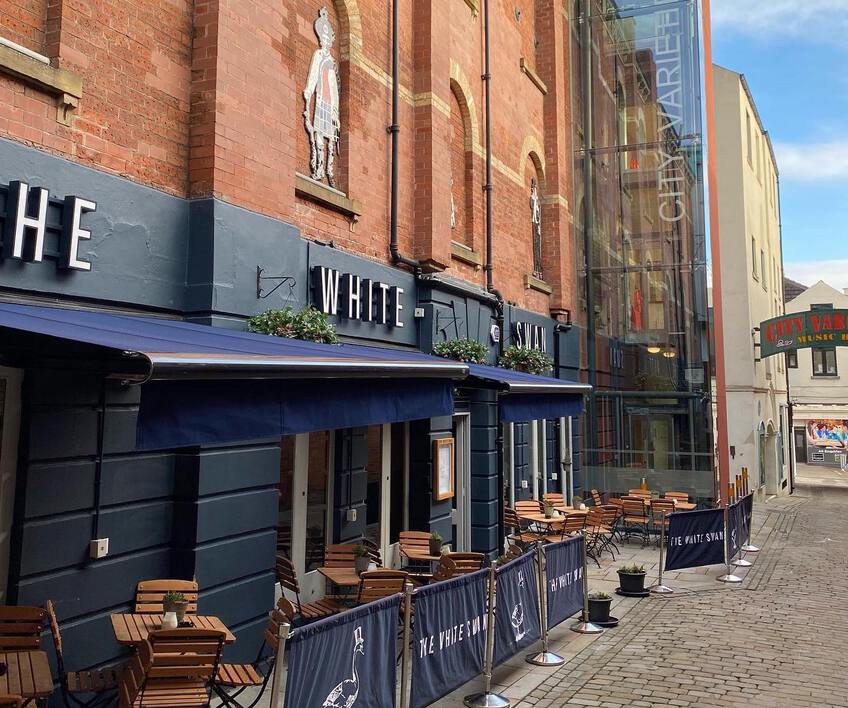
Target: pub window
824,361
792,359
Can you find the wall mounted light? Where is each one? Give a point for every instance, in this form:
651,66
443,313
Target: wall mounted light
653,349
669,353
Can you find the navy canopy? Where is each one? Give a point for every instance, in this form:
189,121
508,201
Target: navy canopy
194,390
529,397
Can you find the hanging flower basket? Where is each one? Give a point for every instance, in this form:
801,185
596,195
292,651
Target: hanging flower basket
531,361
467,350
309,324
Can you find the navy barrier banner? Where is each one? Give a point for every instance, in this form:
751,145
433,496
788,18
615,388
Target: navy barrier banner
564,579
748,511
345,659
449,636
695,538
735,522
517,621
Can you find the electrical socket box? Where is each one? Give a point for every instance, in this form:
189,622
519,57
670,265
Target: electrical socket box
524,484
350,515
418,313
98,548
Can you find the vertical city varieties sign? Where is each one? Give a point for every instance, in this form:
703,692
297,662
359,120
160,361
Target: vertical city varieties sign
799,330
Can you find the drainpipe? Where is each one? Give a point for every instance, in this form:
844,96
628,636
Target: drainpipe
394,130
490,285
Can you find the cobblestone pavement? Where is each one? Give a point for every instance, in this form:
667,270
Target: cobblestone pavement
778,639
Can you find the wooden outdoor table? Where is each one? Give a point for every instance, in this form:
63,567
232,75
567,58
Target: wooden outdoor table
134,628
540,518
341,576
27,675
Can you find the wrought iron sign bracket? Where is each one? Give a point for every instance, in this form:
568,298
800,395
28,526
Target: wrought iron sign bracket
282,280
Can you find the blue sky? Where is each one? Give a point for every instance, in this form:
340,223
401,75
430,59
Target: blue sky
794,55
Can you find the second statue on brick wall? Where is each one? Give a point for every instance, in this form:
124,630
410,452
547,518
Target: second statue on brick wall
322,122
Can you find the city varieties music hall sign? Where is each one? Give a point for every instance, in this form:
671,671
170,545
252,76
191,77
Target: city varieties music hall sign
800,330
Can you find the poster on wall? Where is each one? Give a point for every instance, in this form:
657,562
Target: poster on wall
827,441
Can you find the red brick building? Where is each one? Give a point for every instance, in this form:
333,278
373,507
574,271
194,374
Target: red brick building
204,98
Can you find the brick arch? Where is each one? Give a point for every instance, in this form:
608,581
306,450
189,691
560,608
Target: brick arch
536,161
462,90
531,149
350,28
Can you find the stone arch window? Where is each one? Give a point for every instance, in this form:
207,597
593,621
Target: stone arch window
535,189
461,170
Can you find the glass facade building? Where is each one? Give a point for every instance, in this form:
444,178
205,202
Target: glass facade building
640,205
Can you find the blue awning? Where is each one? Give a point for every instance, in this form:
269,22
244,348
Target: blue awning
206,385
526,397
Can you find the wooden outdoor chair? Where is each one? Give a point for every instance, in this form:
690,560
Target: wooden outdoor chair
20,627
596,497
528,506
570,525
173,668
415,543
150,593
519,533
513,552
644,493
8,701
659,511
635,518
287,578
102,683
555,498
233,679
374,552
377,584
680,496
452,565
339,555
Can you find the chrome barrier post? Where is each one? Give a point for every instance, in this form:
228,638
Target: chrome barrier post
544,657
659,588
728,576
748,547
584,626
277,679
404,667
487,699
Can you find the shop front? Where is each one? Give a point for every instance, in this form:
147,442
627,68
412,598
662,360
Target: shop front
203,452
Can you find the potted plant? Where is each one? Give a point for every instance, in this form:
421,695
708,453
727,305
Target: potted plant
309,324
467,350
599,607
435,544
361,557
631,578
576,502
549,509
531,361
175,602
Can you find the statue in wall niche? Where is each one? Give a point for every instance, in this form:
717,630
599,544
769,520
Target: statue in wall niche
536,220
323,125
452,208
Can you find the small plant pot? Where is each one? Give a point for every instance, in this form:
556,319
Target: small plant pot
435,548
362,563
599,610
631,582
180,609
549,512
576,505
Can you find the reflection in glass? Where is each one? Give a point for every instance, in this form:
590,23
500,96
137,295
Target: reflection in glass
639,179
316,498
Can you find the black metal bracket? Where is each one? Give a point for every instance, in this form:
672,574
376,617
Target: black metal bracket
283,280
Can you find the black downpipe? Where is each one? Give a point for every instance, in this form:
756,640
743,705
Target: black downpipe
394,131
490,285
789,416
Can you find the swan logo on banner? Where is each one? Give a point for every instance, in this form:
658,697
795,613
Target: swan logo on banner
344,695
516,619
517,607
347,660
564,573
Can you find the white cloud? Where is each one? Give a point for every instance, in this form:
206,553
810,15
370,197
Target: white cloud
816,162
834,273
817,19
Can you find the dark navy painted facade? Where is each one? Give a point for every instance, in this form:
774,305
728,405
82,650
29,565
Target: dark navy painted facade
210,514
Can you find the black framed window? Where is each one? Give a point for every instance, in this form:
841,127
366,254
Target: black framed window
824,361
792,359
